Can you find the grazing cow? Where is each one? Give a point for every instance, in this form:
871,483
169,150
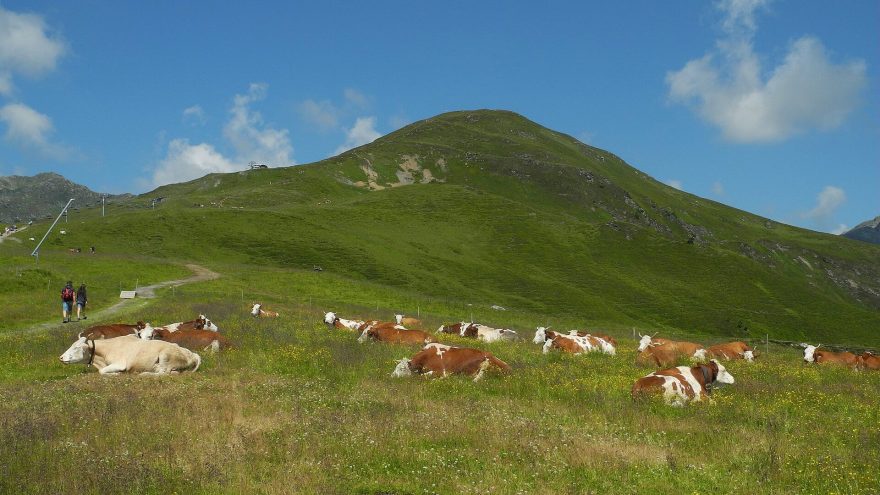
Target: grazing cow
869,361
813,355
200,323
442,360
394,334
541,336
683,384
258,312
334,321
479,332
732,350
99,332
192,339
574,343
130,354
408,321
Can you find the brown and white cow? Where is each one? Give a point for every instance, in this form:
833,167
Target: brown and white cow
663,353
113,330
333,321
683,384
442,360
192,339
541,336
812,354
646,341
408,321
574,342
732,350
130,354
869,361
479,332
258,312
200,323
394,334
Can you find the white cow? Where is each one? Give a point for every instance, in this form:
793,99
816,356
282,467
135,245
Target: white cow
130,354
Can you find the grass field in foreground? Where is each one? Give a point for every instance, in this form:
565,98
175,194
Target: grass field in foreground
296,408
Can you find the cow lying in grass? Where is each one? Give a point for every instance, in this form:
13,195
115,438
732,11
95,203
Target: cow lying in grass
732,350
130,354
200,323
442,360
113,330
257,311
869,361
574,342
812,354
479,332
192,339
394,334
408,322
663,353
682,384
333,321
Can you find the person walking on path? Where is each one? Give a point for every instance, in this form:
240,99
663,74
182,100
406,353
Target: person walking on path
81,300
67,296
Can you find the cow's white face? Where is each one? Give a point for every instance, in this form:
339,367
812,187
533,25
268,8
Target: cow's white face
78,353
700,355
749,356
209,325
256,309
723,375
540,335
147,333
399,319
644,342
809,354
607,347
363,338
329,318
402,369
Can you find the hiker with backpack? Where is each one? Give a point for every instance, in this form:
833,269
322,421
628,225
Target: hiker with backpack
81,300
67,296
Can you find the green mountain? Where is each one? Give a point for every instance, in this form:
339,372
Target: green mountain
487,207
868,231
29,198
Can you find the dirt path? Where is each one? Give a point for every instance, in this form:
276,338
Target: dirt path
144,294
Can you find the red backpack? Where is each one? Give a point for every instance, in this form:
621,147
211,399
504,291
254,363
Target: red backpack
67,294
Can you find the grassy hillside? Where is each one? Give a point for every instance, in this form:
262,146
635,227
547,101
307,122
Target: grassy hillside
487,208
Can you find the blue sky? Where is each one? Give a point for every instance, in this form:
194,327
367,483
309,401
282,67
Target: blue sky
770,106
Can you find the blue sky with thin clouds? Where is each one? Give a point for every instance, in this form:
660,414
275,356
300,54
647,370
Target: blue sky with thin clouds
770,106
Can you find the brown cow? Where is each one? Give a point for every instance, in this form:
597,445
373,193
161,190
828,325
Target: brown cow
395,334
869,361
541,335
408,321
194,340
813,355
682,384
732,350
258,312
98,332
441,360
666,354
575,343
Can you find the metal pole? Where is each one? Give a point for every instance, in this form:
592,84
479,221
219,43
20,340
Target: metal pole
36,251
103,197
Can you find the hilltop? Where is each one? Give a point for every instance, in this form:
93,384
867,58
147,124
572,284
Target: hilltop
29,198
868,231
486,207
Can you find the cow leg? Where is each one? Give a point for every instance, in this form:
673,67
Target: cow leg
112,369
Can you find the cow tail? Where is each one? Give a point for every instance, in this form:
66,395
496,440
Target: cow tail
499,363
198,361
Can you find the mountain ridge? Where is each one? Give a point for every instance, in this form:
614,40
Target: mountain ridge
867,231
24,198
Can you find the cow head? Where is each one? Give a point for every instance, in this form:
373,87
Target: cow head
540,335
810,353
78,353
330,318
644,342
749,356
607,347
255,311
399,319
366,334
723,376
147,333
508,334
402,369
140,325
699,355
209,325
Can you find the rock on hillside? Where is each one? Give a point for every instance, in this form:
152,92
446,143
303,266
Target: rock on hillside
866,231
43,195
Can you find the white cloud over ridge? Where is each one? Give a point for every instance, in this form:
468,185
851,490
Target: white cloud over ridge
729,89
363,132
185,162
30,129
827,202
26,47
675,183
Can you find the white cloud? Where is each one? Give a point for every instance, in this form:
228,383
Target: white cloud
841,229
323,114
194,115
827,202
728,88
718,188
363,132
26,47
186,162
356,98
674,183
30,129
252,139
